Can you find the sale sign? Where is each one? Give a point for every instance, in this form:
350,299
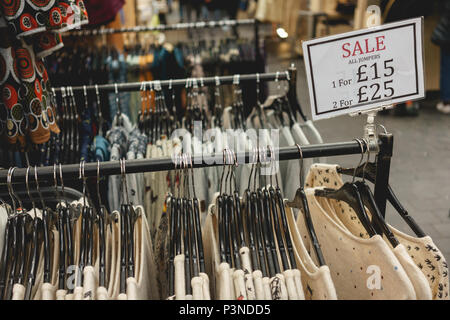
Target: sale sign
365,69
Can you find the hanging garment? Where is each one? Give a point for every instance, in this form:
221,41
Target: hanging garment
315,281
91,272
3,222
162,253
218,272
361,269
102,291
114,274
47,291
144,285
422,260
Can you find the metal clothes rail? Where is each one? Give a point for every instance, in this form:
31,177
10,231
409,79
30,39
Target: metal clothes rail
162,27
207,81
72,171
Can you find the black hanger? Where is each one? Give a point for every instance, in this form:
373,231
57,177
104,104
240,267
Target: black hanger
301,202
270,231
292,93
192,241
187,256
370,174
67,226
34,245
196,225
127,243
266,232
6,253
17,269
286,233
173,240
13,258
250,231
101,215
350,194
369,202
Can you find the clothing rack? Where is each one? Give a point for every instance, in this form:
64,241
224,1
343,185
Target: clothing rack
207,81
72,171
178,27
162,27
289,75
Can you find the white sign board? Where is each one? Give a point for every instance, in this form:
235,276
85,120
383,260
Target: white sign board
365,69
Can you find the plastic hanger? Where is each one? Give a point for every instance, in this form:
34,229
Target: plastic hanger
257,223
5,254
15,239
370,174
236,233
20,252
269,222
175,232
301,202
185,227
197,223
292,95
221,221
77,121
265,225
249,223
32,268
46,216
350,194
67,226
101,121
101,215
370,203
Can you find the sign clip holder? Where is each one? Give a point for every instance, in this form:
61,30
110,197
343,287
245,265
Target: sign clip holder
370,129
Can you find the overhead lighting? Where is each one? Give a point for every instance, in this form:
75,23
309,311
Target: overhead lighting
282,33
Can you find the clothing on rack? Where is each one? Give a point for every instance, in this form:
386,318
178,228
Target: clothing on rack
252,243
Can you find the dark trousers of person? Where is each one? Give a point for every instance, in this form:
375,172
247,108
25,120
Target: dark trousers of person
445,75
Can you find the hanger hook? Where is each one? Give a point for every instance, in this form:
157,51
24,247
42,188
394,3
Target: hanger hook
124,175
192,173
11,189
55,180
367,161
85,97
230,167
28,189
83,179
258,90
301,164
62,183
258,150
253,160
97,94
98,184
269,147
360,161
38,187
223,171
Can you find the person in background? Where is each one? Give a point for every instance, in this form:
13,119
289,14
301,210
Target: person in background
163,9
398,10
441,37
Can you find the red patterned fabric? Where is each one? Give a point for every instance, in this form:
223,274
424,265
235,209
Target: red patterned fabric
103,11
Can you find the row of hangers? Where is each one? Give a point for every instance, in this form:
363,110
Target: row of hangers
26,234
185,225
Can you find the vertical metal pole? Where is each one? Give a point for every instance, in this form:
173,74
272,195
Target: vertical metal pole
257,49
383,169
292,94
